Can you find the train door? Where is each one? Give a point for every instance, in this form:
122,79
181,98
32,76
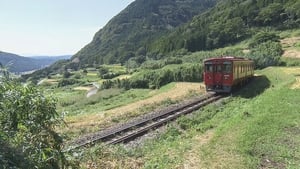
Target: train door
209,74
218,75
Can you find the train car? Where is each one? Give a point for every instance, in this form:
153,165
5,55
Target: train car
223,74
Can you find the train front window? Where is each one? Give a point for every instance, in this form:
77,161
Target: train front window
209,68
227,68
219,68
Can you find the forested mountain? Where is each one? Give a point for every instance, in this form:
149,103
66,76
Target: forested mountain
129,33
229,22
154,28
16,63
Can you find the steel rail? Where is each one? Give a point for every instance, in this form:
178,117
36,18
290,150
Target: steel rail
160,122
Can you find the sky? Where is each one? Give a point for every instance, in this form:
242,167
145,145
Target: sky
53,27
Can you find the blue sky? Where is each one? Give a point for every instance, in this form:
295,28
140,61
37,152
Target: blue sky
53,27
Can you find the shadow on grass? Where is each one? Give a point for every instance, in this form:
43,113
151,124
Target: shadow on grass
255,87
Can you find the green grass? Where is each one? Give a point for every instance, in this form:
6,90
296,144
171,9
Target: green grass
258,127
289,33
255,125
290,61
75,102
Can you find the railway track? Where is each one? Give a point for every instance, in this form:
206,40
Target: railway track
136,127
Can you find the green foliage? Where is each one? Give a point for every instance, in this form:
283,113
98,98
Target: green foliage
65,82
157,64
66,74
109,72
262,37
265,49
271,14
266,54
154,79
27,123
102,71
227,23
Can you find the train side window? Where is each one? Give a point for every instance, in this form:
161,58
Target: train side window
209,68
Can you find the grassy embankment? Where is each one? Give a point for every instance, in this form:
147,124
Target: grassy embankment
111,106
259,127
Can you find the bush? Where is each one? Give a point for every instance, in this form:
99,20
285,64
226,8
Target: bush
153,64
173,60
66,82
154,79
27,123
266,54
66,74
109,75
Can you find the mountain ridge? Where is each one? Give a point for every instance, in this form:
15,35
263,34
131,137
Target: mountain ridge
16,63
129,33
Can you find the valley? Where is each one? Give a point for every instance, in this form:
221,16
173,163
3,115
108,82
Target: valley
147,58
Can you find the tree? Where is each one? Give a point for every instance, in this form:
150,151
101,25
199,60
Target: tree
27,123
103,70
270,15
66,74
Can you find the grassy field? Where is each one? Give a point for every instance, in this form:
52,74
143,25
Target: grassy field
258,127
111,106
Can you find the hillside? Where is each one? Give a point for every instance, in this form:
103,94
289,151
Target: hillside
129,33
230,22
16,63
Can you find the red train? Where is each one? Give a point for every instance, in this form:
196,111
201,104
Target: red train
221,75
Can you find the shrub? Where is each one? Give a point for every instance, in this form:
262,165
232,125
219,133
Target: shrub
66,82
266,54
156,78
27,123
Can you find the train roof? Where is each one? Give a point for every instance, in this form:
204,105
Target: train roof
229,58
